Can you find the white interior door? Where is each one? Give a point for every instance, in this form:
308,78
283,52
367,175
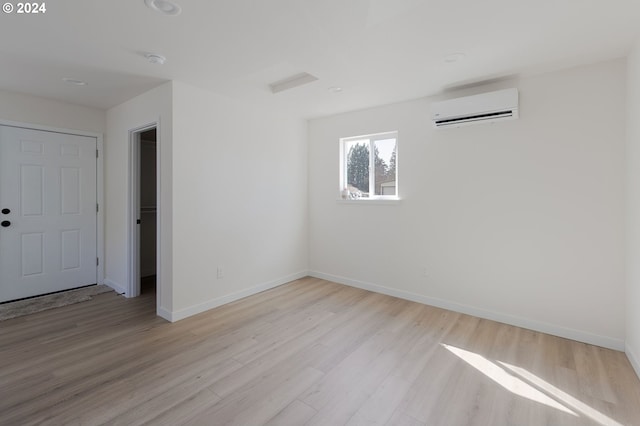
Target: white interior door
48,212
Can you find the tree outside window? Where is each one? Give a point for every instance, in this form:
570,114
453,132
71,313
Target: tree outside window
370,166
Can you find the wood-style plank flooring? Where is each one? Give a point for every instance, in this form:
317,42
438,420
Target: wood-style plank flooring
309,352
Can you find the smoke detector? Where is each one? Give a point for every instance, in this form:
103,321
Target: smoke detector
165,7
74,81
154,58
454,57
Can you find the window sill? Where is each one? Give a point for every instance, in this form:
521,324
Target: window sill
375,201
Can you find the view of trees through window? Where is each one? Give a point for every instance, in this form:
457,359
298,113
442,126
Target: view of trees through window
360,162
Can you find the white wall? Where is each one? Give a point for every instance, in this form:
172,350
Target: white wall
633,211
519,221
46,112
152,106
240,199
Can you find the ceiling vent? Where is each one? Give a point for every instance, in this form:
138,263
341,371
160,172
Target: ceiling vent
484,108
291,82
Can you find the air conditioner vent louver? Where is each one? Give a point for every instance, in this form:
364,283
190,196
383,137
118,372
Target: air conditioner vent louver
484,108
490,115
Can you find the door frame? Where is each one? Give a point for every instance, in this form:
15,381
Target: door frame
133,286
99,182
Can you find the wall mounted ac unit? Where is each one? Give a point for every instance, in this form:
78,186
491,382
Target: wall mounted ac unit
484,108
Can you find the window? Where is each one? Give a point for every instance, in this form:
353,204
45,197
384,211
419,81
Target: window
369,166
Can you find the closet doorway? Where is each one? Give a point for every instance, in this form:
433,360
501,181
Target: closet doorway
144,213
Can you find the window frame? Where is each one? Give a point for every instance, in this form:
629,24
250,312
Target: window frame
371,138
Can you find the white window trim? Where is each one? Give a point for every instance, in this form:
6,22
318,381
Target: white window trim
389,200
372,199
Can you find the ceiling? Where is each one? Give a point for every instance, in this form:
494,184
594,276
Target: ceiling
377,51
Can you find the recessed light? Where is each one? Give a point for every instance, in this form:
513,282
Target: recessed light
74,81
454,57
335,89
165,7
154,58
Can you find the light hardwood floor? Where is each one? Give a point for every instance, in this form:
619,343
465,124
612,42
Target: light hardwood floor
308,352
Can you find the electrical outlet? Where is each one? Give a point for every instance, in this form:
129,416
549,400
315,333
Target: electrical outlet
425,271
220,272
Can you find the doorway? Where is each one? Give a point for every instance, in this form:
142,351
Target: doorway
144,212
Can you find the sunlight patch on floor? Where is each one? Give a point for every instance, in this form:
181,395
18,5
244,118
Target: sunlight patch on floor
528,385
561,395
505,379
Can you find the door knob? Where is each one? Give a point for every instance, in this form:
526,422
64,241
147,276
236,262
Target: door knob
5,223
6,211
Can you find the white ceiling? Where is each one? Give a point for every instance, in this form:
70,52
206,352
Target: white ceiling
378,51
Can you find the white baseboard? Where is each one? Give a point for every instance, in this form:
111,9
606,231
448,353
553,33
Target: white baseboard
568,333
117,287
633,359
164,313
214,303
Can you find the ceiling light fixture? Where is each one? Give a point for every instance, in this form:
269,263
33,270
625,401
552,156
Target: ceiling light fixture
335,89
165,7
454,57
154,58
74,81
